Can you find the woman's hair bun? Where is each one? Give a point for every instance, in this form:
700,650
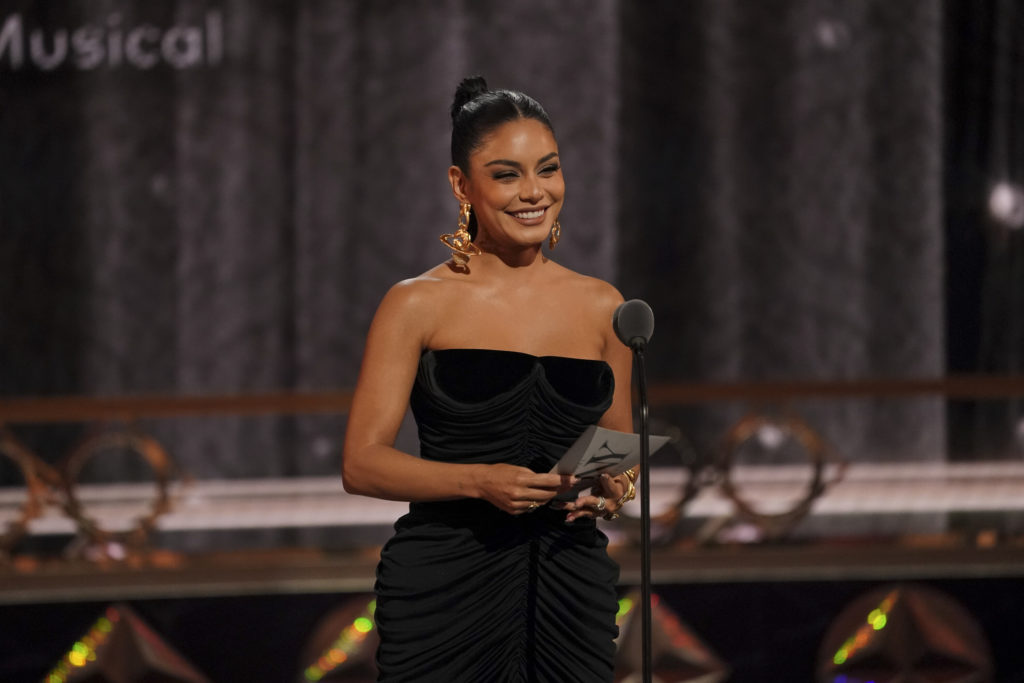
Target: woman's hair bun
468,89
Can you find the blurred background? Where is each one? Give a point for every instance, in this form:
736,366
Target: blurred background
202,202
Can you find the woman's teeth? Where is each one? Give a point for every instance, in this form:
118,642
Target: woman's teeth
528,215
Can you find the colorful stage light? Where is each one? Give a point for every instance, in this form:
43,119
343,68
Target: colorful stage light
904,633
678,654
121,648
343,645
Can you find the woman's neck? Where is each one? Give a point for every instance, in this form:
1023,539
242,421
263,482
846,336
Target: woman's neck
520,261
512,256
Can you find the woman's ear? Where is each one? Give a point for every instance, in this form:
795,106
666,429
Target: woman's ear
458,180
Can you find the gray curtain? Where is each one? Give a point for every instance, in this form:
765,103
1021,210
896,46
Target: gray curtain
984,253
767,175
792,210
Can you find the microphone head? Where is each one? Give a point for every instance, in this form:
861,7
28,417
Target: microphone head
633,323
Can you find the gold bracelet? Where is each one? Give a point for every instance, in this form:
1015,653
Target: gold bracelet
631,475
629,495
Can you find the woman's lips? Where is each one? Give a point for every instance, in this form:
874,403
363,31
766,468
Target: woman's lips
530,217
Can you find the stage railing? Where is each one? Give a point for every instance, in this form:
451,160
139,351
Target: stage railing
36,410
718,498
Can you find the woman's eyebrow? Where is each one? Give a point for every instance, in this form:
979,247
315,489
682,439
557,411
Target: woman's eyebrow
504,162
516,164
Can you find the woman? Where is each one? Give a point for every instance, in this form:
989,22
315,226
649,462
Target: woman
505,357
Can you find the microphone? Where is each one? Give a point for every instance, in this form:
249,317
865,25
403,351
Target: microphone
633,323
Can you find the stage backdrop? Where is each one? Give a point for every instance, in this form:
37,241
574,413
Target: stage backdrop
210,197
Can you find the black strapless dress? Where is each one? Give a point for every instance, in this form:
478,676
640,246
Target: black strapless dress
467,592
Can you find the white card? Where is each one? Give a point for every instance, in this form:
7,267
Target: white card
599,451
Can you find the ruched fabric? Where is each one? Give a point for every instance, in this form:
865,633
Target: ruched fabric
467,592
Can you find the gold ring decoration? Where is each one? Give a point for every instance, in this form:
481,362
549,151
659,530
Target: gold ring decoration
460,241
611,515
38,478
699,474
666,525
533,506
159,461
775,525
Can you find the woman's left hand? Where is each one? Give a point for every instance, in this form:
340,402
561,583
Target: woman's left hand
602,501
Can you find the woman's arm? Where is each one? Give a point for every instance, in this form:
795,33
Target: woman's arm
371,465
619,415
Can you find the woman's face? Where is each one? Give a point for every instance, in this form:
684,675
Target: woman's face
514,184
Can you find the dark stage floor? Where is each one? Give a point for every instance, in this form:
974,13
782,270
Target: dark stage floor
246,617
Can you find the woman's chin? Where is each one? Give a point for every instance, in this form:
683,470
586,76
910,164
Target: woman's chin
523,238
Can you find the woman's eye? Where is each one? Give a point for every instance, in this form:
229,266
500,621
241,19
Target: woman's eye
504,175
549,170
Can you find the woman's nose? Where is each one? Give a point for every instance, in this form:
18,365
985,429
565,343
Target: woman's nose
530,190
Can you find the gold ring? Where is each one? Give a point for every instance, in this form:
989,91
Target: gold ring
533,506
601,502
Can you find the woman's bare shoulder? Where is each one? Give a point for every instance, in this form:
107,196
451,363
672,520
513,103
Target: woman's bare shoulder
423,286
594,290
418,299
413,308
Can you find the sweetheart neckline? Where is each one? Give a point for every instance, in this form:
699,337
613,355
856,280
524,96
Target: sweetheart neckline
539,370
514,353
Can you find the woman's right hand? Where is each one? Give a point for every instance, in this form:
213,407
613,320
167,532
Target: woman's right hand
517,489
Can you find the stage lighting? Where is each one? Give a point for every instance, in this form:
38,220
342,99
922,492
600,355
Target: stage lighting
904,634
1006,204
121,648
832,34
678,655
343,646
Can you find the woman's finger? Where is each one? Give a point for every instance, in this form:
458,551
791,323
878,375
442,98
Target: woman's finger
589,506
524,506
541,495
553,481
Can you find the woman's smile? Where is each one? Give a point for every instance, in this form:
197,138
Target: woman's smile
529,216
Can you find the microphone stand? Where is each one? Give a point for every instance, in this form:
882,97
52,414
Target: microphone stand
633,322
645,512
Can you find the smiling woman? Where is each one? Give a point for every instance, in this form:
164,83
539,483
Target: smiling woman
505,357
515,178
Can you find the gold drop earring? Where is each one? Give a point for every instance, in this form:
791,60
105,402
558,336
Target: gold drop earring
460,242
556,234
